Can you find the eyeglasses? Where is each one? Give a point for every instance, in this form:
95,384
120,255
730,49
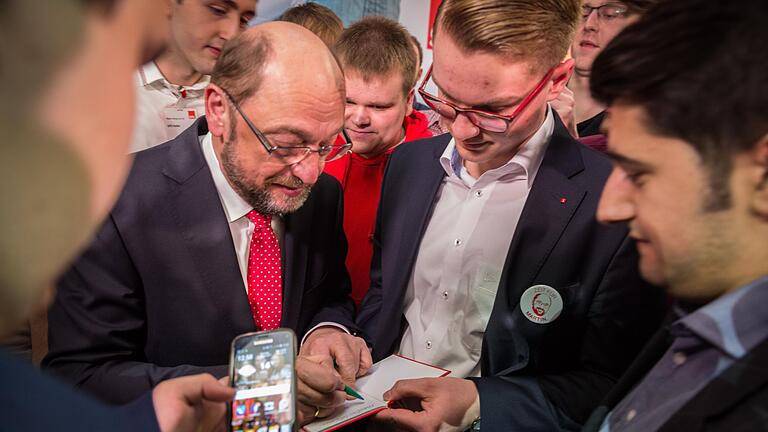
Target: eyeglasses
294,154
605,12
485,120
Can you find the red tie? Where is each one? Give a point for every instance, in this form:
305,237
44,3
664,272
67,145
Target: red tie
265,281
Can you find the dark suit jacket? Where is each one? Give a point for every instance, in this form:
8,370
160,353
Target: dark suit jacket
736,400
159,292
30,401
535,376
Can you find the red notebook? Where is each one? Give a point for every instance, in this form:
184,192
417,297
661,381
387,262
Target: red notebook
380,378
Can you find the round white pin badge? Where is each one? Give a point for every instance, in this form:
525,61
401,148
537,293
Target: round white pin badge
541,304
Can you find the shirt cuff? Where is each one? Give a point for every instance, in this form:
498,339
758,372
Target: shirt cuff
324,324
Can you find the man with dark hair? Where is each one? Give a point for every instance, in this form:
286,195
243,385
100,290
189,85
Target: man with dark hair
170,89
687,131
216,234
62,165
488,260
316,18
380,72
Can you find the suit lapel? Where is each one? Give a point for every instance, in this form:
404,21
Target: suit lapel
203,226
416,213
552,202
294,261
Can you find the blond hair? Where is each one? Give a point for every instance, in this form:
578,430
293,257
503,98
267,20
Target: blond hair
539,31
376,46
316,18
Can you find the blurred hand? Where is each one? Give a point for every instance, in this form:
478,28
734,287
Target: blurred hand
192,403
319,387
431,404
563,105
349,352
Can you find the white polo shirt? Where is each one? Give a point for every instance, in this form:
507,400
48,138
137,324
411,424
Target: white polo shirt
164,110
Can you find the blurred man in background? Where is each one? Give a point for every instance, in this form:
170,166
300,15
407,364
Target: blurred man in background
67,111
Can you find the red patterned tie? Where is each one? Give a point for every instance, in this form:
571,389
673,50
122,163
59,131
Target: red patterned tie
265,281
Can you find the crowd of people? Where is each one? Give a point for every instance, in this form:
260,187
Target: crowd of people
571,217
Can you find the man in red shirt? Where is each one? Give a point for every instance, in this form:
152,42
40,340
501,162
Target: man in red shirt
380,70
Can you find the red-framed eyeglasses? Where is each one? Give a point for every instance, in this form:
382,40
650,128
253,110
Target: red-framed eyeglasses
488,121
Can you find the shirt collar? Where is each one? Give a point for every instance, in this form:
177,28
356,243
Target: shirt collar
234,205
149,74
528,157
734,323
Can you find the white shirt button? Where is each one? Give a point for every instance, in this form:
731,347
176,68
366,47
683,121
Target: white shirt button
445,295
478,193
429,344
457,242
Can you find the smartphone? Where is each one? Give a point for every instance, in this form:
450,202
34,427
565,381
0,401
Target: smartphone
261,369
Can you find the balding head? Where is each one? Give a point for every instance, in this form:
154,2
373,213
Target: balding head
276,90
276,54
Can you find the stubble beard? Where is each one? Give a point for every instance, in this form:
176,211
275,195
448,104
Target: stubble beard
259,196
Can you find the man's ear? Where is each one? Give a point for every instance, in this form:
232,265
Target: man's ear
759,155
409,103
216,112
560,77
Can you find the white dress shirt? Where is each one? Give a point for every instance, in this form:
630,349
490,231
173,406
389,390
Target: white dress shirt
453,286
164,110
235,208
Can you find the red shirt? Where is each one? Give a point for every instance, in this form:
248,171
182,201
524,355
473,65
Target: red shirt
361,180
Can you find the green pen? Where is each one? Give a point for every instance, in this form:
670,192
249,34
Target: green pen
347,389
350,391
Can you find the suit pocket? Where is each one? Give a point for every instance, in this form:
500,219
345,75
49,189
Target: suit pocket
479,308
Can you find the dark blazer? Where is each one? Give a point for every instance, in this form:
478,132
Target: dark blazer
159,293
31,401
535,376
734,401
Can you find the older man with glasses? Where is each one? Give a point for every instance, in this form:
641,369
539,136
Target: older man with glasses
216,234
488,260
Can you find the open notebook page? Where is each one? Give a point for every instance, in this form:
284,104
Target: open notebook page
380,378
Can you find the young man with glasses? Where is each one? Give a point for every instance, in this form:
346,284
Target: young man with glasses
216,234
488,260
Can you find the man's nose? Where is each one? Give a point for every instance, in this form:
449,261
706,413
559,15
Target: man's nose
462,128
592,20
309,169
229,26
616,203
358,115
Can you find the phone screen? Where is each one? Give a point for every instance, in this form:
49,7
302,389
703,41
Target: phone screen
262,373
